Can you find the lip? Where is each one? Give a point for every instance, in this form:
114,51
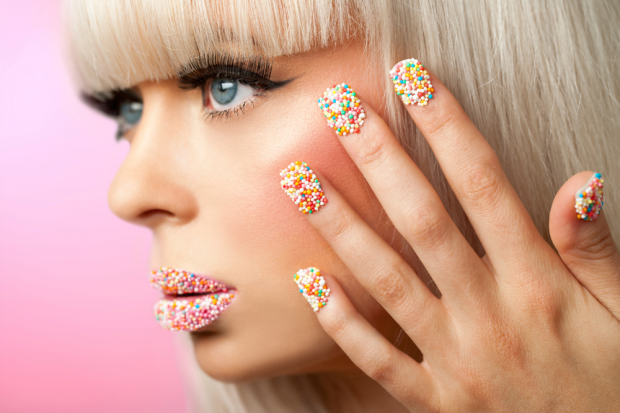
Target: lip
191,301
175,281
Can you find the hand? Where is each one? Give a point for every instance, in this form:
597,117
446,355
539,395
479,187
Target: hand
520,329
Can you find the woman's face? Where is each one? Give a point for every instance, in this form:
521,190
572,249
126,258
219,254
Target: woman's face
210,192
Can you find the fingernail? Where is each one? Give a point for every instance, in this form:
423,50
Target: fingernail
343,109
589,199
312,285
303,187
412,82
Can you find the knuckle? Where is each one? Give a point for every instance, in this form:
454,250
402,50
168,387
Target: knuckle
373,151
443,123
500,340
507,346
380,366
335,324
537,299
599,246
424,224
480,184
390,285
339,225
540,299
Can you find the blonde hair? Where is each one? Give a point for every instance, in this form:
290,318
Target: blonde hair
539,79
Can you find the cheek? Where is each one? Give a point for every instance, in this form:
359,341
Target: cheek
259,212
263,239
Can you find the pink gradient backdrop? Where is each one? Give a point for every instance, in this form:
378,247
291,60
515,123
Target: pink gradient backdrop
76,329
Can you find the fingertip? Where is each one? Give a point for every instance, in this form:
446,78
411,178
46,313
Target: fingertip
336,297
568,230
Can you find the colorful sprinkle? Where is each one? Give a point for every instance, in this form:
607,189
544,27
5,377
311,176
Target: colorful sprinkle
175,281
343,109
191,313
312,285
589,199
412,82
303,187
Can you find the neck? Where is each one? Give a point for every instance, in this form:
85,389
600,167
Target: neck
348,392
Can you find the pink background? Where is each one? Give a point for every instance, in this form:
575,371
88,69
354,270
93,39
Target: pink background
76,327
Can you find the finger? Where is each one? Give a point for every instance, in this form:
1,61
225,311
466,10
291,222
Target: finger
473,171
586,247
377,267
411,203
399,374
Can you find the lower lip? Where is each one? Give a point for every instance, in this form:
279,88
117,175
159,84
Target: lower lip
190,313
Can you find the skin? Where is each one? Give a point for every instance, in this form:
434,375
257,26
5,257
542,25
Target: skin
243,230
210,192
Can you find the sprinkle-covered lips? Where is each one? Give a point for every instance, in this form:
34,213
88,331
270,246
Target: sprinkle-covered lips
178,282
201,299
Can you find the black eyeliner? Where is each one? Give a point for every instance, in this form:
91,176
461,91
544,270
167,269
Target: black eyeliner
109,104
253,71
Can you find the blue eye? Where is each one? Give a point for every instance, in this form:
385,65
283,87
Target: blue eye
226,93
223,90
131,112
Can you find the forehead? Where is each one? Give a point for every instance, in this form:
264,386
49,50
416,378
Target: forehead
116,44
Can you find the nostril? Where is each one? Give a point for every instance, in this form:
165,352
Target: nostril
154,214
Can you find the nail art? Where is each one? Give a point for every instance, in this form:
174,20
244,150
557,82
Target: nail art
191,313
589,199
412,82
343,109
303,187
312,285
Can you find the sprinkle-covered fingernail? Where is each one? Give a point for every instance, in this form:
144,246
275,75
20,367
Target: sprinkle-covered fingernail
312,285
343,109
589,199
303,187
412,82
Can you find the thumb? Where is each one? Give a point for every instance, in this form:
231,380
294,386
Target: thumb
580,232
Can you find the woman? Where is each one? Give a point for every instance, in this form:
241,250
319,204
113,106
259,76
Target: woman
428,202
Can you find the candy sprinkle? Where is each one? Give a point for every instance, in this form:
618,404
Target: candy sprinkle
191,313
312,285
412,82
303,187
589,199
176,281
343,109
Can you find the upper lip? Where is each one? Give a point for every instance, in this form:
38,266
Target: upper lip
175,281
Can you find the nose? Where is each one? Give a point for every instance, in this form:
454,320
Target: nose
151,187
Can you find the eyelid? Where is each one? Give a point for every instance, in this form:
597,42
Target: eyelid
198,77
110,105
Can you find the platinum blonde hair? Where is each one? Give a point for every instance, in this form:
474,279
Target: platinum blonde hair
540,80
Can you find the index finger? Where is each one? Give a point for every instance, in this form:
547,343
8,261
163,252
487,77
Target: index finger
467,160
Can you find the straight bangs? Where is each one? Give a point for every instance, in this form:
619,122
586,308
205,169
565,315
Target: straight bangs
117,44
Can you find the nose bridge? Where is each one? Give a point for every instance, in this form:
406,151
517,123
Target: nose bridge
150,187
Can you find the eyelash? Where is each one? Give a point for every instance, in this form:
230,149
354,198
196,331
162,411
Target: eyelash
202,78
253,71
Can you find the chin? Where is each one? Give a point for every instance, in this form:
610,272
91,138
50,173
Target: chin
237,361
